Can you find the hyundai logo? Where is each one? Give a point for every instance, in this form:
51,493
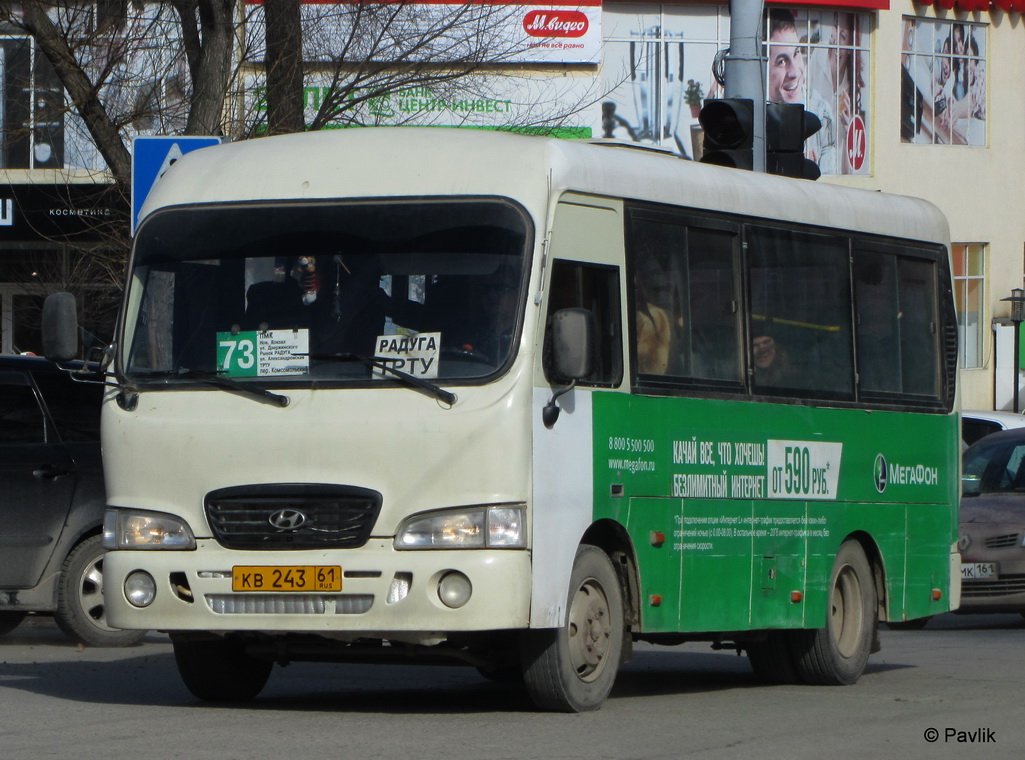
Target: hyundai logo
287,519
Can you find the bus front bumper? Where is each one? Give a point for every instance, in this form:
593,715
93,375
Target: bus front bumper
413,596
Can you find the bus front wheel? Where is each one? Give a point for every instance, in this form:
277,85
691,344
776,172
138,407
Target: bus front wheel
572,668
837,654
10,620
220,670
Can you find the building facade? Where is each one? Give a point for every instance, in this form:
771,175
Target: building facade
915,98
918,99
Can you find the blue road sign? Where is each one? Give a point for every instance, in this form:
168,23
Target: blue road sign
152,156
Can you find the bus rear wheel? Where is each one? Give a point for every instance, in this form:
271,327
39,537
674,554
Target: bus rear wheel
836,655
220,670
572,668
772,660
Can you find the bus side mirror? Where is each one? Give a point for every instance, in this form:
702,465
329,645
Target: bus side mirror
572,344
60,327
572,354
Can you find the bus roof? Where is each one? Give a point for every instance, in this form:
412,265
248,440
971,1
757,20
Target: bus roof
380,162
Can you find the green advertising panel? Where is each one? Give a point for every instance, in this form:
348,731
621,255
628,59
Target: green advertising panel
755,499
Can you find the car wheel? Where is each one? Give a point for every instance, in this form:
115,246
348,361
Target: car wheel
80,611
10,620
572,668
220,670
837,653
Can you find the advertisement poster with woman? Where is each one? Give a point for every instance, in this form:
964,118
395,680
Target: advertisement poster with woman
943,82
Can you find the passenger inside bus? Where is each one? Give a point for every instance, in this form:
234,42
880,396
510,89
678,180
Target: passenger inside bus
340,302
771,362
655,317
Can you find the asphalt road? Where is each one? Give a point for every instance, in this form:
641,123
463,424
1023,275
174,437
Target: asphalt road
953,690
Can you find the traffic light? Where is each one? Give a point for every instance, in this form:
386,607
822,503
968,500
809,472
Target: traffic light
787,126
728,125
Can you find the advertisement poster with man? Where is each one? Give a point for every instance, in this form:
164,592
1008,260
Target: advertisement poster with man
659,67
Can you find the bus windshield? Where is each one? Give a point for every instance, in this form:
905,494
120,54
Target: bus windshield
289,292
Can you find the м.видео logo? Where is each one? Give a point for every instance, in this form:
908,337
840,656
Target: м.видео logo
555,23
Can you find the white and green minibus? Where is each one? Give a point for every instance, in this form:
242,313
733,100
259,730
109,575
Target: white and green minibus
518,403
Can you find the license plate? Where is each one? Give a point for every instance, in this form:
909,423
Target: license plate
978,571
286,578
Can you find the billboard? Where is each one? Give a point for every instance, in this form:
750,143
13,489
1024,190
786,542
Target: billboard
443,31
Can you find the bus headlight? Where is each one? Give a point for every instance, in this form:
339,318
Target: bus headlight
129,529
494,527
454,589
140,589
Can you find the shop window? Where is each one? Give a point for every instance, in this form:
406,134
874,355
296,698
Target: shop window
969,298
31,108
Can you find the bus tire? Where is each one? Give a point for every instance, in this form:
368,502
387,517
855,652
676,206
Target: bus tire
772,660
10,620
220,670
836,655
81,613
572,668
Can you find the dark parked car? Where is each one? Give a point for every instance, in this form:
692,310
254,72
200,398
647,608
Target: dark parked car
53,501
992,532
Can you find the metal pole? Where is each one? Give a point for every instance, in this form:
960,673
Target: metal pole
1017,316
745,68
1017,362
1017,301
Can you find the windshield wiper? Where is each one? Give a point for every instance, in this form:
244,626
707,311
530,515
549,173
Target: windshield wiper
410,380
253,391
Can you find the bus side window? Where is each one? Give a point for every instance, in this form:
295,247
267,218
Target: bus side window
589,286
897,327
686,322
800,314
878,313
713,317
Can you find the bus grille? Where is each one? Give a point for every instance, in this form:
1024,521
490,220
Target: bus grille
289,604
292,516
1009,584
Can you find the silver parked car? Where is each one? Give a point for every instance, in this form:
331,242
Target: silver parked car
992,524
